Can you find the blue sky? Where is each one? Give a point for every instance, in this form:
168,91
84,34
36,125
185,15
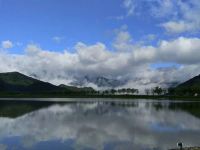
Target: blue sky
122,39
39,21
89,21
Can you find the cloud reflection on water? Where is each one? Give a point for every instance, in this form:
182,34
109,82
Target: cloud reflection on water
97,126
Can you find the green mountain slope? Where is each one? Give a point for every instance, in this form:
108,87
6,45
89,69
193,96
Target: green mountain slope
77,89
190,87
14,109
17,82
192,83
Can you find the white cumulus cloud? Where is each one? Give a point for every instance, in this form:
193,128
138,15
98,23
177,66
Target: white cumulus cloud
6,44
127,61
179,16
57,39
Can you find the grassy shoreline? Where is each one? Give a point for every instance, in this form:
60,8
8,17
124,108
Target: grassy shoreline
47,95
188,148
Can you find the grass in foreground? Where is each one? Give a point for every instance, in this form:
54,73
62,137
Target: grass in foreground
188,148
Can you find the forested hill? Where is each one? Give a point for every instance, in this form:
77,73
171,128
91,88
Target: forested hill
17,82
192,83
189,87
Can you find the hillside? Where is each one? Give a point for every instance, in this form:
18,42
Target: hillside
77,89
192,83
99,81
17,82
189,87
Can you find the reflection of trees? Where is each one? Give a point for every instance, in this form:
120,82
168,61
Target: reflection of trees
124,104
158,106
190,107
13,109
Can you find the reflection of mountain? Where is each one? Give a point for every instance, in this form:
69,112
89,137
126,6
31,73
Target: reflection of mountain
139,127
13,109
193,109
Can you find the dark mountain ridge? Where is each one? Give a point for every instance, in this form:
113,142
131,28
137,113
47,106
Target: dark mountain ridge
12,83
17,82
99,81
191,83
190,87
76,89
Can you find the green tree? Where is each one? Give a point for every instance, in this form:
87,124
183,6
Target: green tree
147,91
158,90
129,91
113,91
124,90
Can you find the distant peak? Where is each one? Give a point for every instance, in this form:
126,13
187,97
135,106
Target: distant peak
12,72
62,85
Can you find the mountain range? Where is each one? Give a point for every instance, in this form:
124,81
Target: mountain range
15,82
99,81
190,87
192,83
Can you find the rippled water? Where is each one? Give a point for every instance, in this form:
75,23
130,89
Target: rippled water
109,125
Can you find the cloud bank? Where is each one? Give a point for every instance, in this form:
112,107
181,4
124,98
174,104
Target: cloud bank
6,44
126,61
177,16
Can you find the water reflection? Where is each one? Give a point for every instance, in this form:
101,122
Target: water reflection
138,125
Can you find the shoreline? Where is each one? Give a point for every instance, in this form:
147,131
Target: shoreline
127,97
187,148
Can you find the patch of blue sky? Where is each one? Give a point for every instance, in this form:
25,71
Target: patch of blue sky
165,65
87,21
24,143
165,128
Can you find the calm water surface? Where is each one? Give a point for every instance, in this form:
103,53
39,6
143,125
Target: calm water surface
108,125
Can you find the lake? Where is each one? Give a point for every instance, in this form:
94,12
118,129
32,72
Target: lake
98,124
